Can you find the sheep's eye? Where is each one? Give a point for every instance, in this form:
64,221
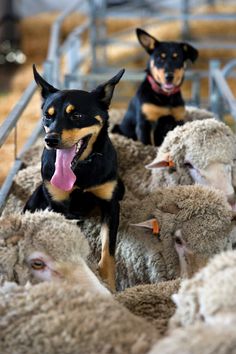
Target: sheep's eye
37,264
188,164
178,241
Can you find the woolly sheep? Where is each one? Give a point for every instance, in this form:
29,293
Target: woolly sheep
198,339
151,301
194,222
44,246
209,297
132,158
200,152
206,311
50,318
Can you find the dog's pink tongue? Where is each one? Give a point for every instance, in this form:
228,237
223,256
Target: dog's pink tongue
64,178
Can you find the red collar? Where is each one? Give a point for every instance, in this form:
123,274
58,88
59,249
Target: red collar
157,88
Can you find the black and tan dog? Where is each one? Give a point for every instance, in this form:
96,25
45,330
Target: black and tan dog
158,105
79,163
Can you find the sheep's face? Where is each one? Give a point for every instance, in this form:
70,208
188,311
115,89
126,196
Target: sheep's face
190,262
217,175
42,267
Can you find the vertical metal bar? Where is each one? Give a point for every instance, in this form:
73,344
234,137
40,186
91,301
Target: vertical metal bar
184,19
93,33
214,94
196,95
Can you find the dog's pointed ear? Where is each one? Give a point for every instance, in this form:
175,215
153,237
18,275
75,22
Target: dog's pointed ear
104,92
148,42
46,88
189,51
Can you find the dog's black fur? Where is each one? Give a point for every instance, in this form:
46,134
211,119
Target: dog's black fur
70,116
158,105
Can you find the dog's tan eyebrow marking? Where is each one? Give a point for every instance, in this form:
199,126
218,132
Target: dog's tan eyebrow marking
99,119
175,55
163,55
51,111
70,108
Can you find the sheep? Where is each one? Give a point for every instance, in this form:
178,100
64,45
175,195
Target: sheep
209,297
195,223
142,258
132,158
200,152
205,319
198,339
151,301
58,318
44,246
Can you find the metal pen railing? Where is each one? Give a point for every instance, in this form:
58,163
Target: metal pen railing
222,99
51,72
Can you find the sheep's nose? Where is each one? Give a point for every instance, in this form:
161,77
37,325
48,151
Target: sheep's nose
169,77
231,199
52,139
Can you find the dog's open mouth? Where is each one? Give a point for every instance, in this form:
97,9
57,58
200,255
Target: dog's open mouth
168,87
80,147
66,161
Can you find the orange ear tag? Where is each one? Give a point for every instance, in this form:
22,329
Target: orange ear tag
155,227
171,163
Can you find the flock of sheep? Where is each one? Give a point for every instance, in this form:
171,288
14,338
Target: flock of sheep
176,290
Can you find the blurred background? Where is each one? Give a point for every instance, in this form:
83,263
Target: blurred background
78,44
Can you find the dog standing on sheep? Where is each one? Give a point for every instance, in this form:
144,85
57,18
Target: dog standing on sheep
79,163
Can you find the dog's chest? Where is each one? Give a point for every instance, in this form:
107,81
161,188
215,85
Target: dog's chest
153,112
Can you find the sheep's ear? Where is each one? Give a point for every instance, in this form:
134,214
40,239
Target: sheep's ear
104,92
189,51
151,224
161,161
148,42
46,88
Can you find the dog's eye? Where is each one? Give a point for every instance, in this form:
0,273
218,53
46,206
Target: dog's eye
48,116
77,116
163,55
175,55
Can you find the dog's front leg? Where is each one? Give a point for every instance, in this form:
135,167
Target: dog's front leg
37,200
110,223
143,130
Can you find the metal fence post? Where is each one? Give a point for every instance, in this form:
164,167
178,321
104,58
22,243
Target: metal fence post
213,90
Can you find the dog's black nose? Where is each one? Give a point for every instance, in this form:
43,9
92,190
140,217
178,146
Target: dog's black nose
52,139
169,77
